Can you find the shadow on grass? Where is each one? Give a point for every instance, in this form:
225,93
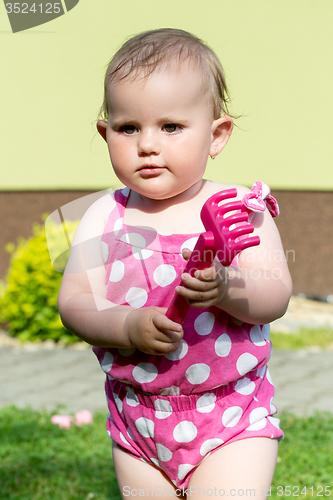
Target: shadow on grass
40,461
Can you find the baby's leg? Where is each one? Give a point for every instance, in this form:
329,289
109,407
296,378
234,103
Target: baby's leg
138,479
242,469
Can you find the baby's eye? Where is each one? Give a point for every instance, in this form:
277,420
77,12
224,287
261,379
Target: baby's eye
171,128
128,129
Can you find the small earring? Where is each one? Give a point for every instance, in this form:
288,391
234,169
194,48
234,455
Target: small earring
213,157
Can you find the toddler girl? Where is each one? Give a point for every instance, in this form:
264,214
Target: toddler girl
191,410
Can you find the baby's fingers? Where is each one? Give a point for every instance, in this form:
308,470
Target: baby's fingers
208,274
162,348
199,293
163,323
203,281
186,253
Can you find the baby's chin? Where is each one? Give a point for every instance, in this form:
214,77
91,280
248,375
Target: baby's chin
154,190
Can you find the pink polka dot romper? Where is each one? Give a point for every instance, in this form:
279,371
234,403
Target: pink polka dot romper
172,411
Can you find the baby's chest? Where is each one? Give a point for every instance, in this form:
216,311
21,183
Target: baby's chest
141,275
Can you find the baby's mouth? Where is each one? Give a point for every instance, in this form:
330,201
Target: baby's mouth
151,170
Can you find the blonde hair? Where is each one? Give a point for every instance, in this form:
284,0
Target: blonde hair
143,53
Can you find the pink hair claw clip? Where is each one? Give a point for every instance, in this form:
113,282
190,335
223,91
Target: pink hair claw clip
225,237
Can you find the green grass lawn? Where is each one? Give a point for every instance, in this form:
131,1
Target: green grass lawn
39,461
304,338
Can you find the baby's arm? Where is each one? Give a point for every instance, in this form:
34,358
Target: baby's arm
258,291
82,302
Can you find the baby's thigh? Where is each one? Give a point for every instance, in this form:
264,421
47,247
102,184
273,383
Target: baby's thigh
138,479
241,469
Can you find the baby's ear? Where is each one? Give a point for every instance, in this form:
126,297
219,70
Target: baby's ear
221,131
101,127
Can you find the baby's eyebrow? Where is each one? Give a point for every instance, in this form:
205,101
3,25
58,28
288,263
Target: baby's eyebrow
169,119
118,122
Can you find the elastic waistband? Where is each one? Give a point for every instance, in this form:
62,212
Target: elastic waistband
163,403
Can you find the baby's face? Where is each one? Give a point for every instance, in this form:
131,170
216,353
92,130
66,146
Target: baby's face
159,131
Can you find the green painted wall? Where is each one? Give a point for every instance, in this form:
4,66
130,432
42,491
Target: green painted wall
278,60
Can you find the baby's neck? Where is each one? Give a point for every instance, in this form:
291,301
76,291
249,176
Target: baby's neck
180,214
149,205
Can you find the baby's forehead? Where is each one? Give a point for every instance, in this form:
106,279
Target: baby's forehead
173,67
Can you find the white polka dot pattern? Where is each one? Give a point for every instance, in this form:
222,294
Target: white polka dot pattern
145,427
138,245
245,363
204,323
266,332
136,297
197,373
124,440
117,225
141,253
117,271
272,406
119,402
190,244
185,432
170,391
261,371
136,240
231,416
155,461
269,378
209,445
163,408
275,421
145,373
223,345
258,419
184,469
131,398
179,353
164,275
163,453
206,403
257,336
245,386
107,362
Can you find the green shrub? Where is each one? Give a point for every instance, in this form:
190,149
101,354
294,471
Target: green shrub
28,299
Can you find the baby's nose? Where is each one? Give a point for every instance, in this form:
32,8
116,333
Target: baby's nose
148,143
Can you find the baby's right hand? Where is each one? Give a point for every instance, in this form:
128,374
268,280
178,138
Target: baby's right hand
150,331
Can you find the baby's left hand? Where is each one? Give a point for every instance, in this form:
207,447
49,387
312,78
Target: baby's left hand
207,287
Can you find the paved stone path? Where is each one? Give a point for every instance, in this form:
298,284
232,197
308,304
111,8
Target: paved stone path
47,377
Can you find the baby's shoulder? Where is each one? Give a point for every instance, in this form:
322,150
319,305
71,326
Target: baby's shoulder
216,187
94,219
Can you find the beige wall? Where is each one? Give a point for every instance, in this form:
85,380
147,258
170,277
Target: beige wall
278,61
